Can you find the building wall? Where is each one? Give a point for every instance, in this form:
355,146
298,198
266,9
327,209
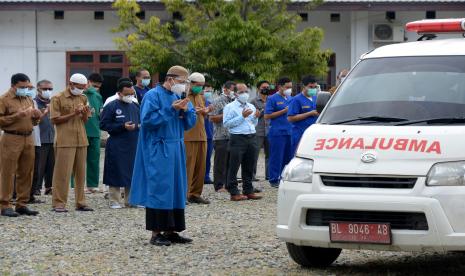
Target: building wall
348,38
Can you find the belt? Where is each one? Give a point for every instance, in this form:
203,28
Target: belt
244,135
19,133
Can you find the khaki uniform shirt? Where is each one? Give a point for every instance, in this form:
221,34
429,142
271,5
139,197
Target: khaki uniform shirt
72,133
197,133
11,104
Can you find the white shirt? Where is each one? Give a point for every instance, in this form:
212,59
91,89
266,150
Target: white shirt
116,97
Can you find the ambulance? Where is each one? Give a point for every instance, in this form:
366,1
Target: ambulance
383,168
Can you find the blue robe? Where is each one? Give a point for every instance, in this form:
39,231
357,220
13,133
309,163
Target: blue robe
160,180
120,150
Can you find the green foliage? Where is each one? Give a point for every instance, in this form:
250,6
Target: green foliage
242,40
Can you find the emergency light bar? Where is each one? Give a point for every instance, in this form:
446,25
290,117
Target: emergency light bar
437,26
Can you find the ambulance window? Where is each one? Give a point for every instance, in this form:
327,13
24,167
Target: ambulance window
407,87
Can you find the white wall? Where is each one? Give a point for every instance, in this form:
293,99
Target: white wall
17,46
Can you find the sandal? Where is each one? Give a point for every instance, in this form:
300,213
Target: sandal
60,210
84,209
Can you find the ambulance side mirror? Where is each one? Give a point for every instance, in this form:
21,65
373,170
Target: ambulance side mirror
321,100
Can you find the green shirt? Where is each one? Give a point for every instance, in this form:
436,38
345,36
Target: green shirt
96,104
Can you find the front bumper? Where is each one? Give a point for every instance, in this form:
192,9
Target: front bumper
293,203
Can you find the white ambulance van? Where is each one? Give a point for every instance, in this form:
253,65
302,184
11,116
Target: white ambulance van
384,166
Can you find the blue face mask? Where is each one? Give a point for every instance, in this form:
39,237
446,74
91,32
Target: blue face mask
208,95
145,82
312,92
21,92
31,93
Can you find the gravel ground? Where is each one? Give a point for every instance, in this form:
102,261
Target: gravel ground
229,238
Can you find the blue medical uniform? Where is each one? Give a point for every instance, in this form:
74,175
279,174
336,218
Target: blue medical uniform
120,150
160,179
301,104
279,137
209,132
140,92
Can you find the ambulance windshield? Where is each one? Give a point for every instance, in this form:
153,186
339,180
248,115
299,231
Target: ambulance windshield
405,88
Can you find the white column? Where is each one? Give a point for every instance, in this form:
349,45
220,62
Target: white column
359,35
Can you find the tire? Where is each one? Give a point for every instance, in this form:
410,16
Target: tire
308,256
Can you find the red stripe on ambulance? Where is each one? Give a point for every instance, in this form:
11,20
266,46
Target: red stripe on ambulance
399,144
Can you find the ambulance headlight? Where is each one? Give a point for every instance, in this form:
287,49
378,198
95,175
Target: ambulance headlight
447,174
298,170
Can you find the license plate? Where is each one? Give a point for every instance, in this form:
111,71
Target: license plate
359,232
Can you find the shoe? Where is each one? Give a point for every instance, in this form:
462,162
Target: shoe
9,212
106,196
274,185
160,240
198,200
84,209
26,211
257,190
254,196
208,181
48,191
115,205
238,197
37,193
176,238
60,210
34,200
255,179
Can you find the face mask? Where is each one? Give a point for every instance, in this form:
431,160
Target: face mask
127,99
208,95
288,92
76,91
196,89
243,98
145,82
178,88
46,94
312,92
21,92
31,93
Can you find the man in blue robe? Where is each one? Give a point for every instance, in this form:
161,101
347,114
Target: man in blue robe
159,181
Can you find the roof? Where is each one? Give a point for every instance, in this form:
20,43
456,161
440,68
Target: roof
439,47
296,1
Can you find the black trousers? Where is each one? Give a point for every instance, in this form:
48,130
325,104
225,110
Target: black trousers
262,142
242,152
165,220
220,163
43,167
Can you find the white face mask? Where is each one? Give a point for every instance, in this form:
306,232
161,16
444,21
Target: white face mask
178,88
243,98
46,94
127,99
76,91
288,92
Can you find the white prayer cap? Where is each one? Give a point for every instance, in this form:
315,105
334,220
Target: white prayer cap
197,77
78,78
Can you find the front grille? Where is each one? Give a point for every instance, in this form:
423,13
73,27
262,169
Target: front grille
369,182
398,220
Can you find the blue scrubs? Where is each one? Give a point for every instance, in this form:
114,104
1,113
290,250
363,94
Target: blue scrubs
209,132
160,179
279,137
140,92
301,104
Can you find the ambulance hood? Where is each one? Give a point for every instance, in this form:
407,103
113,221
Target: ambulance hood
381,150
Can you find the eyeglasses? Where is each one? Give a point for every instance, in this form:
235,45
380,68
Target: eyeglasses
46,89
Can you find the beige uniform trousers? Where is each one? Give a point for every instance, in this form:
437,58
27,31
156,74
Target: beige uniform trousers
69,161
17,158
196,152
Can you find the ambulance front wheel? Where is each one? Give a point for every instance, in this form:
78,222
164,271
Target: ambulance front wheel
308,256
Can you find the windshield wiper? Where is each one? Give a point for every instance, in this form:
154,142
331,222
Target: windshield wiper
445,120
370,118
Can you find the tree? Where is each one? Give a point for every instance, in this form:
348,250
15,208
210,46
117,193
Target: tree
242,40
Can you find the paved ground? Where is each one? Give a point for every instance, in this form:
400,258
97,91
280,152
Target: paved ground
229,238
